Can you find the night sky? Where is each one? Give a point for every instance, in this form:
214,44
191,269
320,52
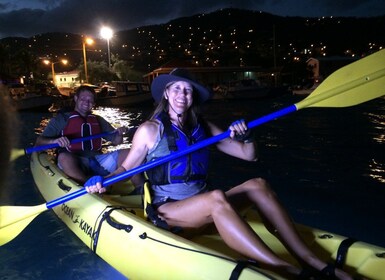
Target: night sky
26,18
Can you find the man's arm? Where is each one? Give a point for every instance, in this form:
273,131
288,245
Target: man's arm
116,138
52,133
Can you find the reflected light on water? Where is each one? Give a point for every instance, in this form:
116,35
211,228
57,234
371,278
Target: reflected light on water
376,167
377,171
378,122
118,117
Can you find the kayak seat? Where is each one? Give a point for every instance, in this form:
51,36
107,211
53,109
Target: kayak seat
150,212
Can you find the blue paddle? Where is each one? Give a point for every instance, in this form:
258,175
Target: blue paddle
21,152
353,84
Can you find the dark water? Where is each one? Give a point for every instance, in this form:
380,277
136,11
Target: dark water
327,166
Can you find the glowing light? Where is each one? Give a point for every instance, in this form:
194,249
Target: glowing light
107,34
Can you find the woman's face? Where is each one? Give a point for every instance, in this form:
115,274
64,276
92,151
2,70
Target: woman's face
180,96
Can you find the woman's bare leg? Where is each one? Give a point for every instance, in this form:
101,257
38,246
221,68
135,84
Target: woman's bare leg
259,193
211,207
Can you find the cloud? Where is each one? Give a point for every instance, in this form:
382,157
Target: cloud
316,8
21,22
30,17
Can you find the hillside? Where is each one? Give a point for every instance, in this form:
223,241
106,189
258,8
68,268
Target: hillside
228,37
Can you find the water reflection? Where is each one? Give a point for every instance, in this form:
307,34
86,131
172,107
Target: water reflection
328,174
316,131
118,117
378,121
377,171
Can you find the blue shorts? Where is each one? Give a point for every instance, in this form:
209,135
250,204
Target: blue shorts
108,161
104,165
160,200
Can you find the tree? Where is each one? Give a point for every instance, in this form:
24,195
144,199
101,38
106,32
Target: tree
16,64
124,71
98,72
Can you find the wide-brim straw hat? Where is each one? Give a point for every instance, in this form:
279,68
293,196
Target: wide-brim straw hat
179,74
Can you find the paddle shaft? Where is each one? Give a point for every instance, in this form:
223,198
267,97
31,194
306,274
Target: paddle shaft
73,141
337,84
144,167
353,84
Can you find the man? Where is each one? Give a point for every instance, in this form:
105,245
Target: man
81,160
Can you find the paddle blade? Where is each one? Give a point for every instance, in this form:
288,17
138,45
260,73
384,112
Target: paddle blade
16,153
13,219
350,85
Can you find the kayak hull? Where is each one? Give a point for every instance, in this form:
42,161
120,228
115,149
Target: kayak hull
114,226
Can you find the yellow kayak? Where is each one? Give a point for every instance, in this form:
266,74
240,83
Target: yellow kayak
114,226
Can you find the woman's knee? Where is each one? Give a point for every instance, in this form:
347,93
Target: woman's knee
259,185
217,196
218,199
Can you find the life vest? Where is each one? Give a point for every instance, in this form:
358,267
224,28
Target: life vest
187,168
77,127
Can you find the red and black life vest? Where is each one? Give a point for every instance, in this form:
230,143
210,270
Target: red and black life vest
77,127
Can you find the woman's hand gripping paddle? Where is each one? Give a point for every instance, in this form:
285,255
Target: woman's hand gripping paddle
353,84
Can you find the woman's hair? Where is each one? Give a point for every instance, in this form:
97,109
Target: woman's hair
192,113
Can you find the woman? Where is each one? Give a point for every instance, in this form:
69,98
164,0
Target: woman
180,192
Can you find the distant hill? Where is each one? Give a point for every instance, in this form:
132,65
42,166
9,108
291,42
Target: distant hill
227,37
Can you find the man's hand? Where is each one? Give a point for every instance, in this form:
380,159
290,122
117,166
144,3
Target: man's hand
62,141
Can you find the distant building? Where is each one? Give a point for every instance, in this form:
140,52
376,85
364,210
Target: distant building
212,76
312,65
320,68
67,79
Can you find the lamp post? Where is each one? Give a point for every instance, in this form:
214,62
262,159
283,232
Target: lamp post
88,41
107,34
64,61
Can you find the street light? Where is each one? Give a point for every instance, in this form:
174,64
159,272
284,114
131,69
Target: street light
107,33
88,41
47,62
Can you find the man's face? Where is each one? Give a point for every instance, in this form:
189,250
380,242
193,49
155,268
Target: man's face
84,102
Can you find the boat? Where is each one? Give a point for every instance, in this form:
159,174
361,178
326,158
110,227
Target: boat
246,89
66,91
115,227
119,94
304,91
31,101
124,93
23,99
